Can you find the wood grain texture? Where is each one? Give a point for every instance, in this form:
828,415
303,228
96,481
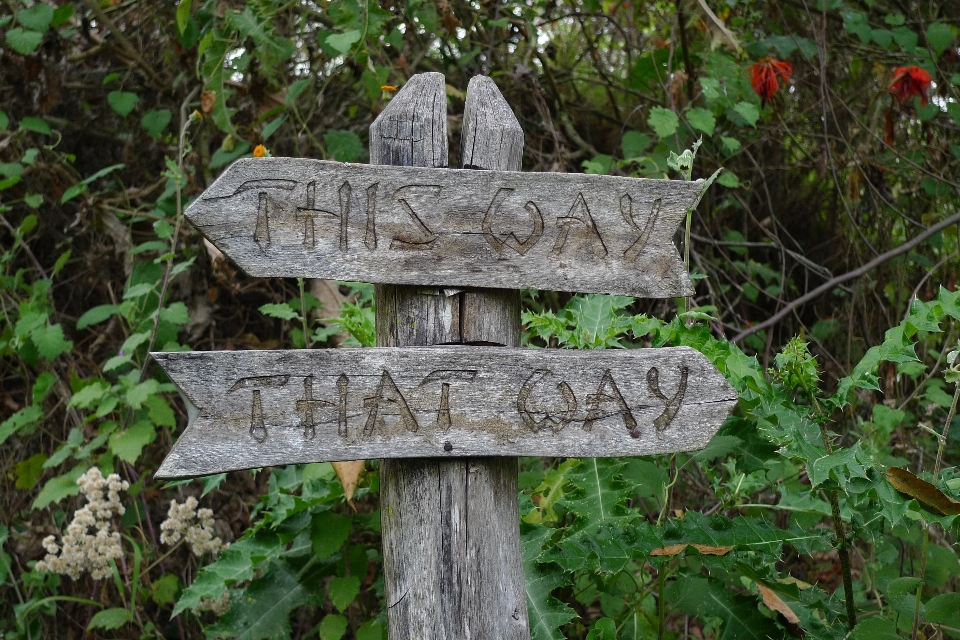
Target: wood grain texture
262,408
451,536
286,217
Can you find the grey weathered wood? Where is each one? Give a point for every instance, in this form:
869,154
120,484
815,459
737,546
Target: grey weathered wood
295,217
456,518
262,408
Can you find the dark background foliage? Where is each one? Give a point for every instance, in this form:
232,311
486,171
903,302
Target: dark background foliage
837,207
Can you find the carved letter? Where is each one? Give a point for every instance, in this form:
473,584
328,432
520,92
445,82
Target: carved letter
608,392
342,382
579,214
309,212
443,375
306,407
626,210
673,404
257,427
511,240
370,238
261,233
427,243
557,422
387,393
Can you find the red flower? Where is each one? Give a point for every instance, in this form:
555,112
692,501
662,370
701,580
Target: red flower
763,76
909,82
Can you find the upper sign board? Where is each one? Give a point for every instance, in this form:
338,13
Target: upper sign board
264,408
287,217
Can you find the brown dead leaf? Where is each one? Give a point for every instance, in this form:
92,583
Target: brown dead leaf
774,603
924,492
349,473
208,100
677,549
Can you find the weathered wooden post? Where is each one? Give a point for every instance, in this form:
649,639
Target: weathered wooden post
451,536
448,421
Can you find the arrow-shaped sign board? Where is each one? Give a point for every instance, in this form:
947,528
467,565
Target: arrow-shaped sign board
262,408
289,217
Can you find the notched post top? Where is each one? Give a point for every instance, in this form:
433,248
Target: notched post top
412,130
491,137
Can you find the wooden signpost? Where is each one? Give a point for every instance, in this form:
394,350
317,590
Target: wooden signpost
448,422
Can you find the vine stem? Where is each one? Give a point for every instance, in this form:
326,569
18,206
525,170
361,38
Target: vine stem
842,541
168,267
926,528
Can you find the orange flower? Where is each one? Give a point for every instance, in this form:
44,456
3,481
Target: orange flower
259,151
909,82
763,76
388,88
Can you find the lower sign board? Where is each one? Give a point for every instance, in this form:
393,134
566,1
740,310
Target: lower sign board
265,408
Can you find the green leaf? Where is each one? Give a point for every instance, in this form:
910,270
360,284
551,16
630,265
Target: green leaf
907,38
663,121
702,120
36,125
342,591
136,396
109,619
599,166
276,593
11,169
60,487
343,42
328,533
272,127
183,15
25,418
371,630
545,612
163,591
122,102
50,341
89,394
344,146
875,628
138,290
296,89
23,41
235,564
748,111
844,463
62,14
4,556
634,143
38,17
28,472
281,311
939,37
177,313
155,121
729,180
33,200
4,121
96,315
707,598
128,445
941,609
333,627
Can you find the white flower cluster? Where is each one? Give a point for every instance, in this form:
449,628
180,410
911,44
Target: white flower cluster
219,607
192,524
80,550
